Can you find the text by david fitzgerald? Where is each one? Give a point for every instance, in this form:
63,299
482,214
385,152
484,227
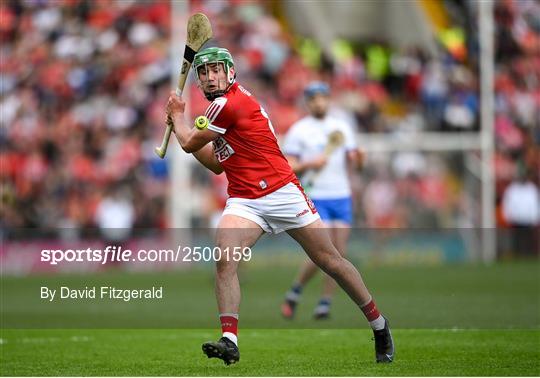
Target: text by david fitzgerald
100,292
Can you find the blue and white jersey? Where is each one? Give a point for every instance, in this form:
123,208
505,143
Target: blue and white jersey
307,139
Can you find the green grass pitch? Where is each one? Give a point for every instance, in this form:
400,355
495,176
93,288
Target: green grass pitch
452,320
268,353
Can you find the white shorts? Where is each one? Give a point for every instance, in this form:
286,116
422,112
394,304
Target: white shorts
285,209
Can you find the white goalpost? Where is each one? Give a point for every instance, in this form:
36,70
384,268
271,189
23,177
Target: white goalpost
487,67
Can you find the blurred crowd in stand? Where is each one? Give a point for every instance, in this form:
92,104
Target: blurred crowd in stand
82,89
83,84
517,122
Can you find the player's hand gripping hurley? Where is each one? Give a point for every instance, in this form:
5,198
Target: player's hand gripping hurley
199,31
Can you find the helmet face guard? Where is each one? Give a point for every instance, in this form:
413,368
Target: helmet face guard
214,55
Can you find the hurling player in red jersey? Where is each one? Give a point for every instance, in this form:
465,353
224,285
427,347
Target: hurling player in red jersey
264,196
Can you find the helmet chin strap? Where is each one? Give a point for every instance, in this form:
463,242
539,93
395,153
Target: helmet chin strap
212,96
230,77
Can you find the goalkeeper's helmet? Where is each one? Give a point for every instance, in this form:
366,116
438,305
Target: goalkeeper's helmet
214,55
315,88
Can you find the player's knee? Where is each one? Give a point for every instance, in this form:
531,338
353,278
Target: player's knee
227,263
330,263
225,268
231,247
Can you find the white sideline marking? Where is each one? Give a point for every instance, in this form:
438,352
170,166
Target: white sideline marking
43,340
80,338
38,340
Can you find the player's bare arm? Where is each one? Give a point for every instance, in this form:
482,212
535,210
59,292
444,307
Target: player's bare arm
206,157
300,167
356,158
192,140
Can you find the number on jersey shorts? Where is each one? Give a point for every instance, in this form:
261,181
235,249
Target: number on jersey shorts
284,209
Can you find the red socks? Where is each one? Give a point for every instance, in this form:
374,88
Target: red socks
229,326
370,311
374,317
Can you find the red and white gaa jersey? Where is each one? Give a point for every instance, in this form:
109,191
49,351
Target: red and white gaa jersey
247,148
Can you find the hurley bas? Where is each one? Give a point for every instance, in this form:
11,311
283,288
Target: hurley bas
102,292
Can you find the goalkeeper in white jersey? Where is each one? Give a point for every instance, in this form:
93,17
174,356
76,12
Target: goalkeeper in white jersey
321,149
